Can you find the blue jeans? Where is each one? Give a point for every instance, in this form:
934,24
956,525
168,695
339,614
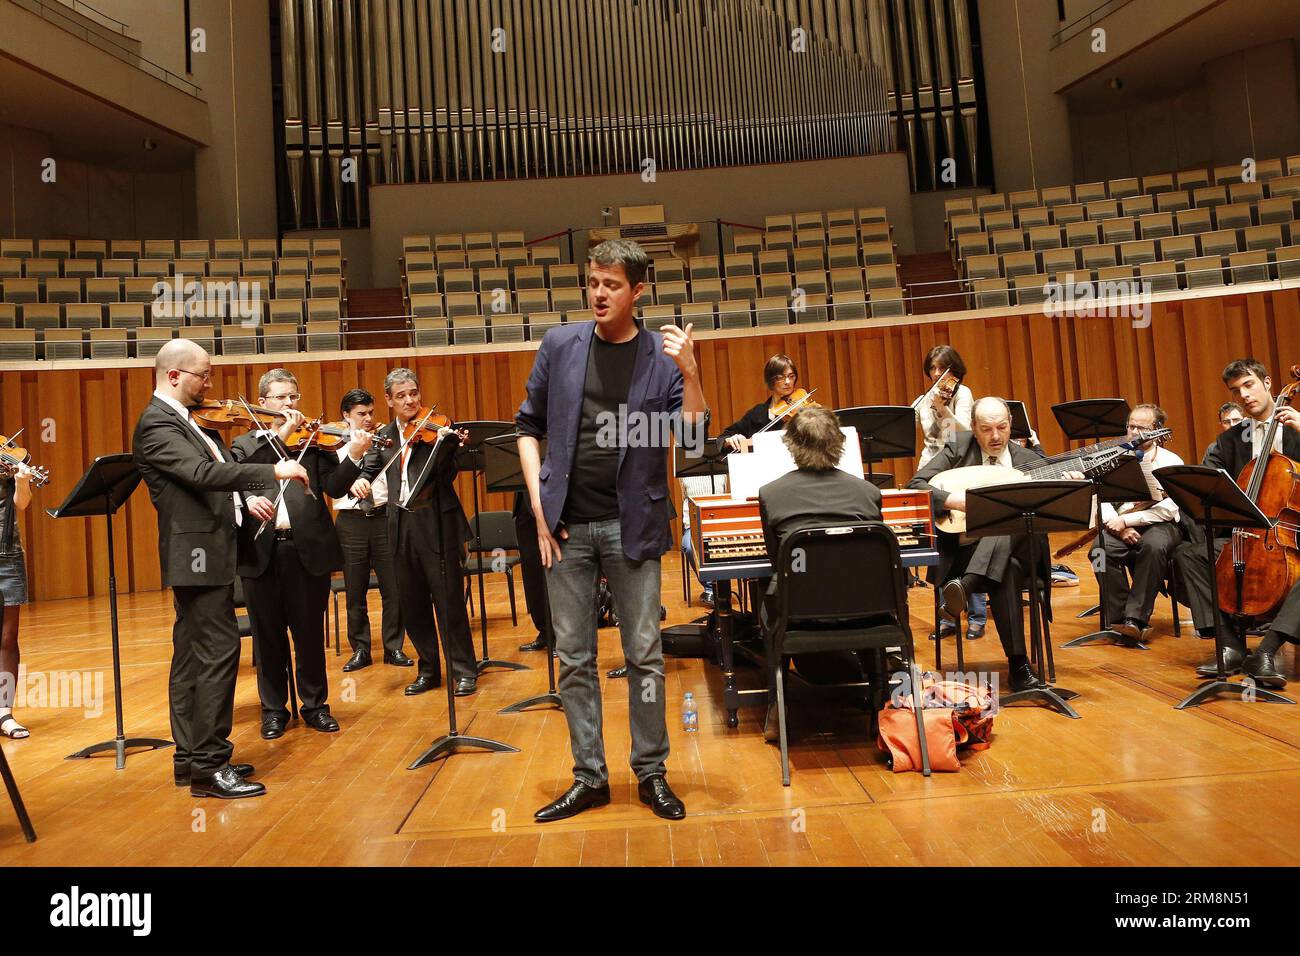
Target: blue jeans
571,583
977,612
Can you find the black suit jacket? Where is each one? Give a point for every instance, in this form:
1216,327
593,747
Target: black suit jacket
962,451
1233,448
430,489
191,492
313,529
811,499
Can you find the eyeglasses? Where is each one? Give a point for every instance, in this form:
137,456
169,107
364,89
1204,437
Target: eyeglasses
291,397
202,376
788,375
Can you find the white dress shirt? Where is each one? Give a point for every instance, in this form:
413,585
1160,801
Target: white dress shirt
378,488
1003,460
282,522
1257,432
1162,508
212,446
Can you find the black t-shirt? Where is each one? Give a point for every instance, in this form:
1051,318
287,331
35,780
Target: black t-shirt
593,491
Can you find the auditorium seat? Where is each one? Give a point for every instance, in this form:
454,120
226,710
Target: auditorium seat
8,315
1232,216
734,314
848,306
63,290
1008,240
195,249
1220,243
810,258
568,276
224,269
887,303
1044,237
1064,215
130,315
1287,259
1030,289
751,242
1248,266
1056,261
1178,248
108,343
22,291
205,336
1137,251
159,249
148,341
17,249
430,331
670,293
41,316
1204,271
529,277
154,269
1262,237
469,330
536,300
42,269
1279,209
238,339
17,345
545,255
1192,178
710,290
991,293
1019,264
421,283
63,344
83,315
59,249
775,284
742,287
539,322
812,282
772,311
293,266
567,300
281,311
993,202
427,305
1089,192
1156,225
481,258
1162,276
1172,201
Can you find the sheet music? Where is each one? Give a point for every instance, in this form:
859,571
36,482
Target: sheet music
770,459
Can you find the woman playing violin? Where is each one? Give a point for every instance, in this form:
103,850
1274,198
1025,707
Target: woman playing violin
945,413
782,378
15,496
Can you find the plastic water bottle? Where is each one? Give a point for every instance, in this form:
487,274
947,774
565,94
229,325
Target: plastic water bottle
690,714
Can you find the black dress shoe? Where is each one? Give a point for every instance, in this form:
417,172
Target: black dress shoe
273,726
617,673
537,644
1024,678
577,798
358,660
1131,628
226,784
1263,668
466,686
322,721
659,797
954,600
1232,661
974,633
771,725
183,773
397,659
421,685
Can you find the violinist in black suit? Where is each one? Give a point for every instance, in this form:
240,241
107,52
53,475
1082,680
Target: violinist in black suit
1248,381
994,565
286,566
427,530
199,492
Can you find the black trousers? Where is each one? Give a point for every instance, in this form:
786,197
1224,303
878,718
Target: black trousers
1194,573
432,597
1004,595
530,565
201,688
1149,561
1287,622
364,541
287,598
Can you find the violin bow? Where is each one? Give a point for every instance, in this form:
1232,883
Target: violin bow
278,447
411,486
9,442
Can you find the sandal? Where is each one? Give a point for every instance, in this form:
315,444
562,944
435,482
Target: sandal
17,732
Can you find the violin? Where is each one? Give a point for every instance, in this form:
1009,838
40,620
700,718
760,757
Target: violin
793,403
1272,482
228,412
424,426
343,431
944,386
11,456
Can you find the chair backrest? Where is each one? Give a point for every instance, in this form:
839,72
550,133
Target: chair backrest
496,529
820,573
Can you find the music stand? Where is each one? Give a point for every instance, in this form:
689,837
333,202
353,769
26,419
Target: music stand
1021,430
708,463
1211,497
470,458
1092,419
885,431
16,798
444,452
503,472
1126,483
105,486
1032,508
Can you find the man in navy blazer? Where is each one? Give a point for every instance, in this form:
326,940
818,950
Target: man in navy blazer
607,395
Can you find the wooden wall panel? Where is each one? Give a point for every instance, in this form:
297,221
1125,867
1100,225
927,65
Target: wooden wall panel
1176,362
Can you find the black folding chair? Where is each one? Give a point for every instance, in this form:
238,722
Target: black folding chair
840,588
487,553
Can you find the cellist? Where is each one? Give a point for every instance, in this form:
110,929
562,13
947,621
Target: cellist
1251,387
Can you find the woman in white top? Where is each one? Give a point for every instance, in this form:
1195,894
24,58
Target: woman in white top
946,413
943,416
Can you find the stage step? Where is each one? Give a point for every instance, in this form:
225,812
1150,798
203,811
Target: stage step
376,319
929,267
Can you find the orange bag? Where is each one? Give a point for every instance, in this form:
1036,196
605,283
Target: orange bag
956,716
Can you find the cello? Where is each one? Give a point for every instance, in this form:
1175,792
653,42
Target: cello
1272,482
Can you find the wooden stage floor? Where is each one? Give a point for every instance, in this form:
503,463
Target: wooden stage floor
1133,783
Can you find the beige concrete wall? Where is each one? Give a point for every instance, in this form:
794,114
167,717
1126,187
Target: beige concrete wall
928,227
1253,103
742,194
356,252
1029,126
87,200
235,175
1127,28
159,25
